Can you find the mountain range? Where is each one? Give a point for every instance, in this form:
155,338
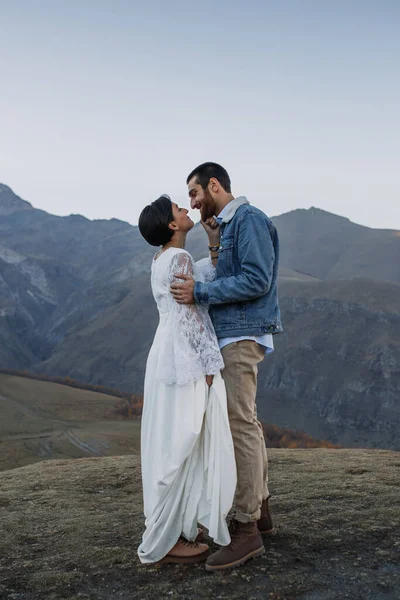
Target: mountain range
75,300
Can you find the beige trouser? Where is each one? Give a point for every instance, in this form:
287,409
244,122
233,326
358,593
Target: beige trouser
240,376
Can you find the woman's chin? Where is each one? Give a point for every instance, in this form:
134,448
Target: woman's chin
190,225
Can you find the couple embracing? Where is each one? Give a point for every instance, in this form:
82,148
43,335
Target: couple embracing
202,444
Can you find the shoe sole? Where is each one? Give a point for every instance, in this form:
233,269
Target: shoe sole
181,560
237,563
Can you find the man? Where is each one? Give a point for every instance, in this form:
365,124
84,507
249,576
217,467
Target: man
245,313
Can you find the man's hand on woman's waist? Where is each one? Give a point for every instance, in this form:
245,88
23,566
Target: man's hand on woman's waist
183,293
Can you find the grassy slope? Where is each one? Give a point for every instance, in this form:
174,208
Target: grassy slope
41,420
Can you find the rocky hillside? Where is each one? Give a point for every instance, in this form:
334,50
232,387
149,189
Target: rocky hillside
327,246
335,372
10,203
57,273
75,301
70,529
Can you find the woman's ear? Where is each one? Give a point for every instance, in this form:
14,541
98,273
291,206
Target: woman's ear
173,226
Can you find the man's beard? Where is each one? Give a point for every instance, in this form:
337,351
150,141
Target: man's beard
208,207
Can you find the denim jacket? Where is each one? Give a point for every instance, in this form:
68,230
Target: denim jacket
243,297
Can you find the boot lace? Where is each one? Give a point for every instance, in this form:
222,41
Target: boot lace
187,543
234,533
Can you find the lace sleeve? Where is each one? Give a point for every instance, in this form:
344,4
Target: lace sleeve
191,348
204,270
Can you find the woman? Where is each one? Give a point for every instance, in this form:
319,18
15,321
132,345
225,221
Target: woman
188,466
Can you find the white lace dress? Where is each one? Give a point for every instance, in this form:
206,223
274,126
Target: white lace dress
188,465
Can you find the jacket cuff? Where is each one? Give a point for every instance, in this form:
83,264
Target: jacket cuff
201,292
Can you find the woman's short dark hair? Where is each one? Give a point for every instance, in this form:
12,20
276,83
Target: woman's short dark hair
154,220
206,171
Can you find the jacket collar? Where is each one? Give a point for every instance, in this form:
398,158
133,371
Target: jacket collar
230,209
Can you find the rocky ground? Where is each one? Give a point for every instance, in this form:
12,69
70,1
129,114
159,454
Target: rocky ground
69,530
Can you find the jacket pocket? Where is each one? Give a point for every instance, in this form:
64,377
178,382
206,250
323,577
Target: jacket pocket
225,257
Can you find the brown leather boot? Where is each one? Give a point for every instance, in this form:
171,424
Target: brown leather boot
200,535
187,553
246,543
264,523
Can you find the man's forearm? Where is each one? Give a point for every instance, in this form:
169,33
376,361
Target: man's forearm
256,257
231,289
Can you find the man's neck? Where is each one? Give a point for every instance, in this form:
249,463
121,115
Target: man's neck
220,203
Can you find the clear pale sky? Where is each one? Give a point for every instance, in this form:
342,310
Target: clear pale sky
104,105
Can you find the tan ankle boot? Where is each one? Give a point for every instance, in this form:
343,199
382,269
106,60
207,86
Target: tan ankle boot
264,523
246,543
187,553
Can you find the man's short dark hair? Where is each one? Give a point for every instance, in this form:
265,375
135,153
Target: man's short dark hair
206,171
154,220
